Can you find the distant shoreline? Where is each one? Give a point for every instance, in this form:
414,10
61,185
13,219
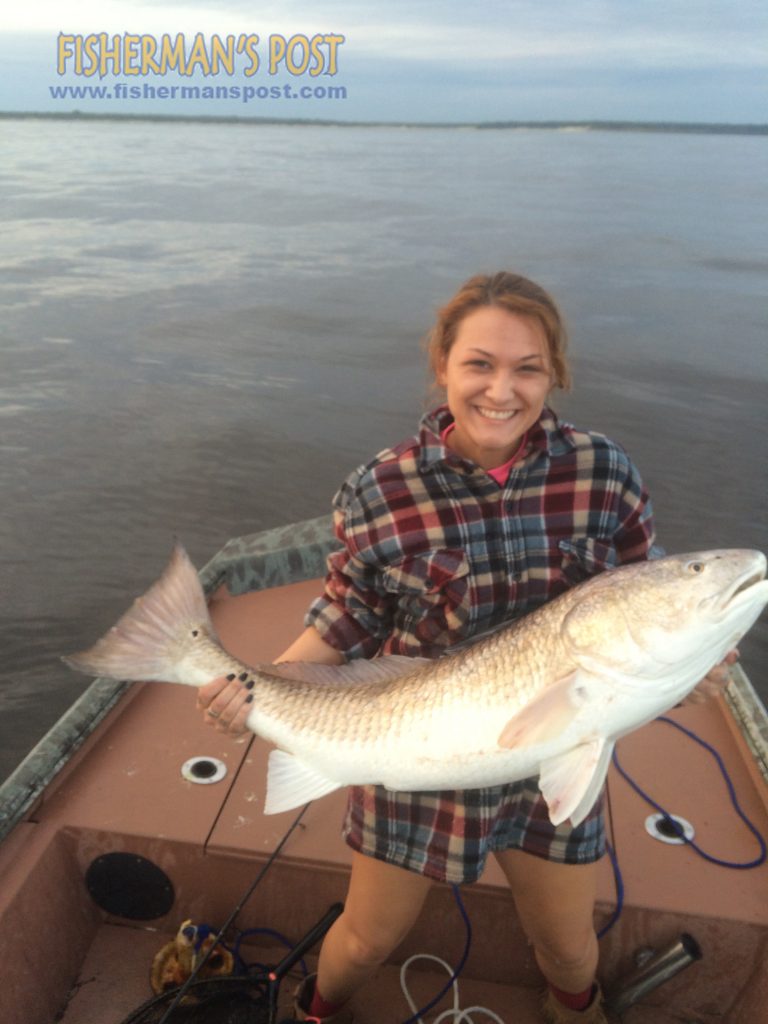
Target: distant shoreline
672,127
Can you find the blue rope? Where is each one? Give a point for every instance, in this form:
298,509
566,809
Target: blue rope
458,969
739,866
271,933
760,859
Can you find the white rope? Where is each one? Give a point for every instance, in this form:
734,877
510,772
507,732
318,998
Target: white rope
454,1015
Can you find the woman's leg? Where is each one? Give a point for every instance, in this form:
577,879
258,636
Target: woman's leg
382,905
555,905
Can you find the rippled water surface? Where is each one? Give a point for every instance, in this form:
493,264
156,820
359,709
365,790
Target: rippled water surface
206,326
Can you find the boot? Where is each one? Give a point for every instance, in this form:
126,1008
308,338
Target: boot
302,999
553,1011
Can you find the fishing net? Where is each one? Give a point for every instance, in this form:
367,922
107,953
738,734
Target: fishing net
250,997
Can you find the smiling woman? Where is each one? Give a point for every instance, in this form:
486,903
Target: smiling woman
492,510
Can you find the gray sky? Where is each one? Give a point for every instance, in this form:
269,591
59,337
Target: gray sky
678,60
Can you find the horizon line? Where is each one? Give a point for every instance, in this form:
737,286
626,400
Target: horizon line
609,124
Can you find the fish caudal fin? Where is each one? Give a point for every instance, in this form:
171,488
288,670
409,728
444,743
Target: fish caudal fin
148,641
571,782
291,783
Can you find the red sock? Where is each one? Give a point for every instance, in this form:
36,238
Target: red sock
573,1000
318,1006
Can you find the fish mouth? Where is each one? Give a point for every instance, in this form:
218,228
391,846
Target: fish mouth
740,591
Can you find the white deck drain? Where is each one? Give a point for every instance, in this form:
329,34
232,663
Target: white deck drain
204,770
660,827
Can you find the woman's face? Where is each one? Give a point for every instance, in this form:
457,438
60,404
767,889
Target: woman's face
497,376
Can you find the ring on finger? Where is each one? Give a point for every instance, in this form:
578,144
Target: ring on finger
213,714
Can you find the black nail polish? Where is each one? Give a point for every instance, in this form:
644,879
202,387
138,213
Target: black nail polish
231,676
250,684
243,676
249,698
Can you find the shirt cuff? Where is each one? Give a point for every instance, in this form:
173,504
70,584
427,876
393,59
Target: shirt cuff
341,630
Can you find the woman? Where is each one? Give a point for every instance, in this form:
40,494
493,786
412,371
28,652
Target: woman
492,509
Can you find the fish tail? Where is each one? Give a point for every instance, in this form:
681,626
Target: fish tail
152,636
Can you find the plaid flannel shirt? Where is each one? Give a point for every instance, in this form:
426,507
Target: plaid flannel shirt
434,550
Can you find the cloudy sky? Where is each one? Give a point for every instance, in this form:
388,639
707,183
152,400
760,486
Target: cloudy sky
641,60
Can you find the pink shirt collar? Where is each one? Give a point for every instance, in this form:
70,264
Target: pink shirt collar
499,473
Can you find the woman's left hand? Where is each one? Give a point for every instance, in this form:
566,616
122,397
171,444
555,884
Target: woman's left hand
714,681
225,704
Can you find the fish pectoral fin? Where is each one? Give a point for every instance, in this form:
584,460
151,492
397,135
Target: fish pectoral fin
546,716
571,782
291,783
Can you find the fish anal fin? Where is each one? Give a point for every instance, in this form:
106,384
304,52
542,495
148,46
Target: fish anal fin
592,792
571,782
545,717
291,783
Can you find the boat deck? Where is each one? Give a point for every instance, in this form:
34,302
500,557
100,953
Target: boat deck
211,840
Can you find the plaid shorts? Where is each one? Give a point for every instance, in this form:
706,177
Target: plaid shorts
448,835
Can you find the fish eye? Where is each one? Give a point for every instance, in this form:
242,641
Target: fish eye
695,567
195,632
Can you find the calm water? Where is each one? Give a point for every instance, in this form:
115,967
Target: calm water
205,327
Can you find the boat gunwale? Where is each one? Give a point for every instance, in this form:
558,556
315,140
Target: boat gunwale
750,716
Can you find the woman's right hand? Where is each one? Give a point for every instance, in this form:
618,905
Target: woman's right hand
226,704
